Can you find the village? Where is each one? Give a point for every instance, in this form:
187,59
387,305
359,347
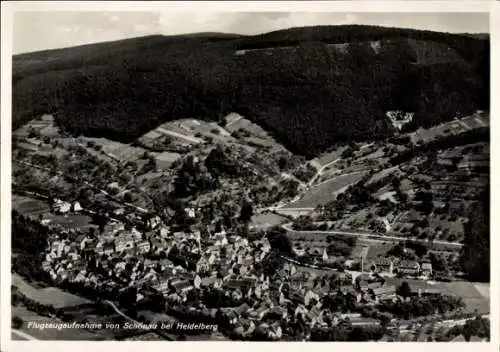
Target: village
207,273
231,270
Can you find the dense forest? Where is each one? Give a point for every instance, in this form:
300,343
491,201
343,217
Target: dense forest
310,96
30,239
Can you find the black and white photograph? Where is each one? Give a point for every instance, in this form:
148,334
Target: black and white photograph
250,176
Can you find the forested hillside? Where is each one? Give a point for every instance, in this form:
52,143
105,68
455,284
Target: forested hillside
310,94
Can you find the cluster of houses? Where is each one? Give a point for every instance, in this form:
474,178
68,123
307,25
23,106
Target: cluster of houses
175,264
388,266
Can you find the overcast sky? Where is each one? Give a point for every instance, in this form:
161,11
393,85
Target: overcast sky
48,30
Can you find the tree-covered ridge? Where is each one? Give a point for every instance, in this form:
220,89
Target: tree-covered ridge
310,97
358,33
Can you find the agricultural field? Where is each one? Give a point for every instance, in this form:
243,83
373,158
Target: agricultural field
112,150
375,154
266,220
327,191
384,173
342,167
476,121
473,297
179,133
205,128
250,133
48,295
166,159
327,158
30,206
44,126
452,127
24,287
427,135
184,134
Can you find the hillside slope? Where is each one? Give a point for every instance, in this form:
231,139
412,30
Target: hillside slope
312,87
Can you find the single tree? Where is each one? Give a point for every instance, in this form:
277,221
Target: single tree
404,290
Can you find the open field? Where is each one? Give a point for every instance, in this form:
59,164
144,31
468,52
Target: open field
150,176
235,123
166,159
38,125
377,154
338,168
177,130
116,150
472,297
252,133
446,229
476,121
382,174
48,334
49,295
267,220
176,127
327,191
360,251
31,206
327,158
451,127
23,286
205,128
483,289
376,250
